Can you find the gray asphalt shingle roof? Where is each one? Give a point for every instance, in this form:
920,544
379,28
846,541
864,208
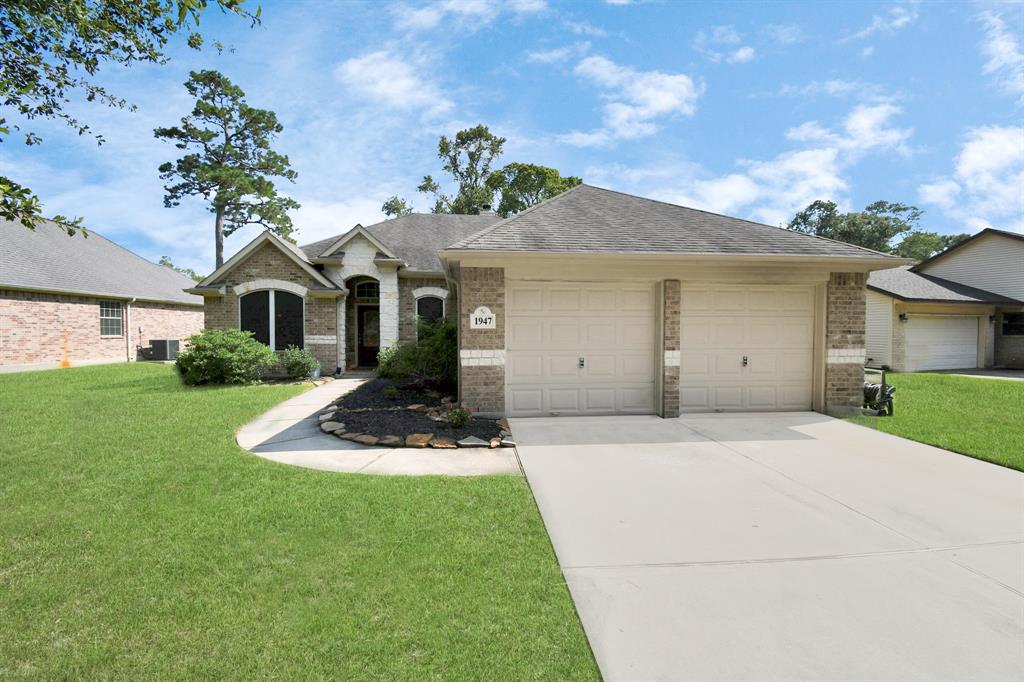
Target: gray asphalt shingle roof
905,284
590,219
47,258
416,238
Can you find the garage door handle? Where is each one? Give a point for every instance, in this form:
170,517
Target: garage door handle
582,362
745,361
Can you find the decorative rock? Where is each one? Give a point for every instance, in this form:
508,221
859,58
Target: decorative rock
331,427
418,440
433,394
442,443
495,442
366,439
391,441
507,442
505,434
325,416
503,424
418,408
351,436
472,442
340,433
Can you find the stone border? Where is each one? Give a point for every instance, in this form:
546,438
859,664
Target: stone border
412,440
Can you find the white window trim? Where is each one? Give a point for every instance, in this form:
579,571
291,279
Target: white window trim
439,292
270,284
428,292
271,312
119,317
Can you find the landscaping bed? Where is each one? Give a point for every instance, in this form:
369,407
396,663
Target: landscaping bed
407,413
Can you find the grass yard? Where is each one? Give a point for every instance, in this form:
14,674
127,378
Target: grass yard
983,418
137,540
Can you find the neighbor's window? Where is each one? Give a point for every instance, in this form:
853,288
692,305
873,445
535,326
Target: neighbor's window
110,318
1013,324
274,318
429,308
368,290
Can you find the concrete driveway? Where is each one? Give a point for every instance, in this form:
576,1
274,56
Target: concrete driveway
780,547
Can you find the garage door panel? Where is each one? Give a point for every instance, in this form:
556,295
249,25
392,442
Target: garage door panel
773,325
637,334
636,366
526,366
599,300
599,334
636,300
564,399
599,399
600,366
562,335
526,401
564,299
527,334
562,367
525,299
636,400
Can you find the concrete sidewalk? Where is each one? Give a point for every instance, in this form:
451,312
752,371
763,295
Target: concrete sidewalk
290,434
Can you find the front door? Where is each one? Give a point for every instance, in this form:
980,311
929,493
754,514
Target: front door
368,342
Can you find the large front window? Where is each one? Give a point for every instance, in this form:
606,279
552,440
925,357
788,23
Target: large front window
274,318
1013,324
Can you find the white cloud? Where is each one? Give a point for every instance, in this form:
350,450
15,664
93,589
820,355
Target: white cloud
986,188
836,87
783,34
389,80
559,54
467,14
1005,59
867,51
637,100
898,17
619,2
719,45
585,28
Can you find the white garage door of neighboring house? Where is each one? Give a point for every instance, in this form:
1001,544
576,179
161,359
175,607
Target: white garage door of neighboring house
579,348
940,342
771,325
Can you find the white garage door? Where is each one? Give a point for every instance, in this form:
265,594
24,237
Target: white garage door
942,342
579,348
771,326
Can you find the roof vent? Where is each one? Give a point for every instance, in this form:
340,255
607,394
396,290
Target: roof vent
485,209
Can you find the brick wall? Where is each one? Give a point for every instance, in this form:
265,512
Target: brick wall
482,351
44,329
844,341
671,304
407,304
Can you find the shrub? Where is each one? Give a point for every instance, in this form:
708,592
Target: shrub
434,356
458,416
391,392
298,363
224,356
397,362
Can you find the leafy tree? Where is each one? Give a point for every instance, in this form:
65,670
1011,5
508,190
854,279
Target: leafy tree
188,272
51,49
468,159
521,185
396,206
230,164
874,228
921,245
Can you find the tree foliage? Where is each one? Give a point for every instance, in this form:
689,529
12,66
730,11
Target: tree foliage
230,163
52,49
467,159
188,272
396,207
521,185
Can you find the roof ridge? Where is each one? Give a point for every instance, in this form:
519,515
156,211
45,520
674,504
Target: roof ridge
505,221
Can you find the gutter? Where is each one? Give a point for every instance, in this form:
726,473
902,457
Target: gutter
128,331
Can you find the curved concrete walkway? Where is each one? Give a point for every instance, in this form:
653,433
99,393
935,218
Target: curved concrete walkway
290,434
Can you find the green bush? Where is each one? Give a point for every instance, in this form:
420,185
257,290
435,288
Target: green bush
298,363
458,416
224,356
434,356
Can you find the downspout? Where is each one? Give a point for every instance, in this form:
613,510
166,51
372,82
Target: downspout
128,334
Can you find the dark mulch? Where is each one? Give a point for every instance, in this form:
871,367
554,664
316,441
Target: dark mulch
404,422
371,395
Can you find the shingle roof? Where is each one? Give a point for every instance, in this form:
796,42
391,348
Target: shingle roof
907,285
591,219
416,238
46,258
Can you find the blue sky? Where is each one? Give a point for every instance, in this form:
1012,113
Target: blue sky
750,109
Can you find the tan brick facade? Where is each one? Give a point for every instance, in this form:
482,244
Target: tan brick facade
844,341
38,329
671,302
407,304
482,351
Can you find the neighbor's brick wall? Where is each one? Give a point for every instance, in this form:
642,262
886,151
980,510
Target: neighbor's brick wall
1009,350
844,340
407,304
482,351
671,304
43,329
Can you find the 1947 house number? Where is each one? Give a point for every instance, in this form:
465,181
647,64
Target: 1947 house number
482,318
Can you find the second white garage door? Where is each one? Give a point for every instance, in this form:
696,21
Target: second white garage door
746,347
579,348
942,342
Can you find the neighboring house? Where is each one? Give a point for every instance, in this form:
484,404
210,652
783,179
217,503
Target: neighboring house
593,302
959,309
81,300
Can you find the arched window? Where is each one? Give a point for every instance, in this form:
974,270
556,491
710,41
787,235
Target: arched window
429,308
368,291
274,318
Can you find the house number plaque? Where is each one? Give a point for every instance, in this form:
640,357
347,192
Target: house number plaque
482,318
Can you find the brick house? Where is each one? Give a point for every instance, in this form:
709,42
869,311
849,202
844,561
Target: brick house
80,300
594,302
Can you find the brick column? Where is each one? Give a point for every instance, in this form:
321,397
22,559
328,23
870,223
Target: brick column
482,351
844,341
671,300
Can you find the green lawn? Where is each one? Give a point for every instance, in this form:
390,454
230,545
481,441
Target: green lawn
137,540
983,418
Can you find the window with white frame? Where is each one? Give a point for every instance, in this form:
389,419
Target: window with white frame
273,317
110,319
368,291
